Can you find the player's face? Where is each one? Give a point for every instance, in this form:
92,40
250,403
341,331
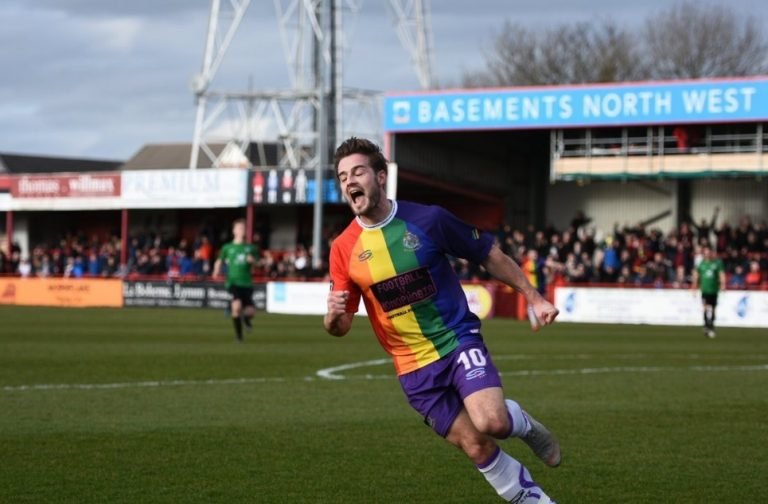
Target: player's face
238,231
362,187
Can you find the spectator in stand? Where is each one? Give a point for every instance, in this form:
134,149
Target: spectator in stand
611,261
587,265
626,276
742,231
93,265
44,269
579,220
704,229
13,263
574,270
754,278
540,244
186,263
156,262
25,268
142,266
681,279
74,267
530,268
723,236
301,261
659,270
204,252
172,262
737,279
111,267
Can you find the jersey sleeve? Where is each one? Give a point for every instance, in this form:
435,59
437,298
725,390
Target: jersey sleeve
340,279
459,239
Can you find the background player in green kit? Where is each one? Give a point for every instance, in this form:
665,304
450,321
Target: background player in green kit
709,275
239,258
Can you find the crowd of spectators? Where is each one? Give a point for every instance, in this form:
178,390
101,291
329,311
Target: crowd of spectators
628,255
634,255
148,255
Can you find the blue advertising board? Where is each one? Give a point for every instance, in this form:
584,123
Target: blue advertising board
731,100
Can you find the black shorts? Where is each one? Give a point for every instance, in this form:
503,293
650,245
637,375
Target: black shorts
709,299
244,294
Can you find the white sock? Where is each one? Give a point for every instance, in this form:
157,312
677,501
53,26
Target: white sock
512,481
520,426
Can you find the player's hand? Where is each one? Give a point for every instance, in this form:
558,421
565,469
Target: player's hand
337,302
542,312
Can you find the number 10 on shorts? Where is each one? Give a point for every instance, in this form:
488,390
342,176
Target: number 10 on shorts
472,358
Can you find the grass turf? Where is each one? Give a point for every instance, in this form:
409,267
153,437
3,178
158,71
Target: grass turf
156,405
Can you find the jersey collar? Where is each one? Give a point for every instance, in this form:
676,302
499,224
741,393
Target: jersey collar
383,223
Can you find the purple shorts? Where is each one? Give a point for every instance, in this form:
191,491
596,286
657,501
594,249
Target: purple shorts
437,391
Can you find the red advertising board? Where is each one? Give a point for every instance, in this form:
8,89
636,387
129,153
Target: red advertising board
86,185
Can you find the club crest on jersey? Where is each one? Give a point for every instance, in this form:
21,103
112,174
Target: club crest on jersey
411,241
365,255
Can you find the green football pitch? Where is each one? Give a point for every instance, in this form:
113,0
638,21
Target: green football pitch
156,405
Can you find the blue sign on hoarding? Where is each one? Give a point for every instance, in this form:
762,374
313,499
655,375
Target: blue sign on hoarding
585,106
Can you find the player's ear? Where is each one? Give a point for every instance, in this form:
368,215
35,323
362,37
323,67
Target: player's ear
381,177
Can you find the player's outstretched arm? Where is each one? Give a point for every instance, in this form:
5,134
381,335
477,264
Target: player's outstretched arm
337,320
503,268
216,268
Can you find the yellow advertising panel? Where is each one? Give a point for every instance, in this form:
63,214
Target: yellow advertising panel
64,292
480,299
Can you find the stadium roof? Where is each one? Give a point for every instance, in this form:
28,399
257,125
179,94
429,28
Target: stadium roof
21,163
176,155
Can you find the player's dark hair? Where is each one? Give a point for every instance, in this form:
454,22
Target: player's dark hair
238,221
354,145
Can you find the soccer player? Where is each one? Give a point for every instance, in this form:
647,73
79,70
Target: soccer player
239,258
709,276
393,255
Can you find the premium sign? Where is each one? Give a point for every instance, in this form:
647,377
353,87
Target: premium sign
87,185
202,188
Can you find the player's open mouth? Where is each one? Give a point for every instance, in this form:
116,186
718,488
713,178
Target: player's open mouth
354,194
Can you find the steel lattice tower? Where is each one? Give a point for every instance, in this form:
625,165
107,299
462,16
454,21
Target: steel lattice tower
310,113
312,35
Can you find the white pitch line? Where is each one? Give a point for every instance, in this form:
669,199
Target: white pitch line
141,384
630,369
331,374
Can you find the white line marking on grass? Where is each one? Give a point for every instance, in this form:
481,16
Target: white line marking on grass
330,373
630,369
141,384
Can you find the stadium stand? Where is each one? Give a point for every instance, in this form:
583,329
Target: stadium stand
580,254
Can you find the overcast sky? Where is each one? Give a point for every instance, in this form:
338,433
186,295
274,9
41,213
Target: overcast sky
100,78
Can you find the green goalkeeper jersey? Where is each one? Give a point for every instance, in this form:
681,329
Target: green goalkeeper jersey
709,275
235,256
